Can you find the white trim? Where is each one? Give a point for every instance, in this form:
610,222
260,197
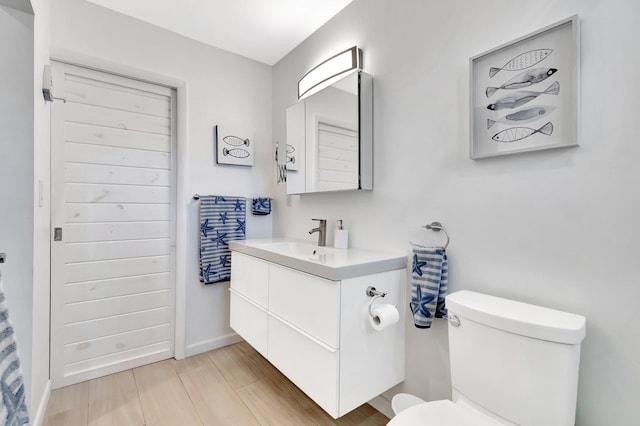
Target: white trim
99,64
42,407
57,298
182,197
383,405
211,344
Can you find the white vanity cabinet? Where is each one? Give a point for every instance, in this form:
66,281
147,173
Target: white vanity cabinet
249,300
316,331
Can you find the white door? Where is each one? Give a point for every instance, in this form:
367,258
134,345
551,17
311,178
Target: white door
112,273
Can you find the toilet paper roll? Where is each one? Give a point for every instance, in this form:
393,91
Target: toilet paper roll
383,316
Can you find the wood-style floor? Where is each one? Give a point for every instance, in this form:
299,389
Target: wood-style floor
233,385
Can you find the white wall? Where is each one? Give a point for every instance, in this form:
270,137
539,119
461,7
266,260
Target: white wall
219,88
16,176
41,224
557,228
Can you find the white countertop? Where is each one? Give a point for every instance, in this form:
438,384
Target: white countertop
326,262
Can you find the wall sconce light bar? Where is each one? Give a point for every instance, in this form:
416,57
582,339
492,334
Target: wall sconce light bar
330,71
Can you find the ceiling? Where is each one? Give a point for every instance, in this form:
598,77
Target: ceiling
264,30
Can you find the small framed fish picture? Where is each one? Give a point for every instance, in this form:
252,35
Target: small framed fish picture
525,94
233,146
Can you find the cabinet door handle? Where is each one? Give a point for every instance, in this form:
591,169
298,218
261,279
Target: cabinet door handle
246,299
304,333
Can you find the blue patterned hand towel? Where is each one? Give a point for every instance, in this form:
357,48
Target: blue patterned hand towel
261,206
13,410
429,278
222,219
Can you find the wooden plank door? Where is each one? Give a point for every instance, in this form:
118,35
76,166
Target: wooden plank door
112,191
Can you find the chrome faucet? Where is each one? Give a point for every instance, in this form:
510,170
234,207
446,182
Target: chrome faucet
322,232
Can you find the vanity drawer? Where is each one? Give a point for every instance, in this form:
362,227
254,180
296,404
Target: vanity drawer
306,301
307,362
249,277
250,321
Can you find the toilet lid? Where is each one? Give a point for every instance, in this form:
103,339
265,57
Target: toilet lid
441,413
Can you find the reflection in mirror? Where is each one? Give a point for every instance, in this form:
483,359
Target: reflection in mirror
329,138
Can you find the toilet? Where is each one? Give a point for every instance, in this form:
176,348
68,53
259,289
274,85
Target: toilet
512,363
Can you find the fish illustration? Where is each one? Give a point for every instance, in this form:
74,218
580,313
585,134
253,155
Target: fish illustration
236,141
524,79
523,116
523,61
290,157
518,133
520,98
236,152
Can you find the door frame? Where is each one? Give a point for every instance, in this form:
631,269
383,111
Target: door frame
179,162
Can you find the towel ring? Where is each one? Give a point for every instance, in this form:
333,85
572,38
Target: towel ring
436,227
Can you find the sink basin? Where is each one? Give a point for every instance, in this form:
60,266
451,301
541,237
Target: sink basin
300,249
327,262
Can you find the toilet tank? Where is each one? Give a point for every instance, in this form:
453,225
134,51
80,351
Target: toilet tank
514,361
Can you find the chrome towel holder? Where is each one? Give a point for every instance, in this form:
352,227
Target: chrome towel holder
436,227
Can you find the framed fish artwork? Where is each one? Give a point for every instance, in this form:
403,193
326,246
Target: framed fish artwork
525,93
233,146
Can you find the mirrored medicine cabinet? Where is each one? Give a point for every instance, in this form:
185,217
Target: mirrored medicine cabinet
330,138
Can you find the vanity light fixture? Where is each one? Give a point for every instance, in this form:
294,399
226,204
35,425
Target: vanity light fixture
330,71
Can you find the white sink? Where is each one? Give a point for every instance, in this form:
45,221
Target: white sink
327,262
300,249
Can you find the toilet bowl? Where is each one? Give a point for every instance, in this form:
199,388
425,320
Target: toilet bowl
402,401
441,413
501,350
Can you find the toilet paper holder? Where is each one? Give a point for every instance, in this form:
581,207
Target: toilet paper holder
374,294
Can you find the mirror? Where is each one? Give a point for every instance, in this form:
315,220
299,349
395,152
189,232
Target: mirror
330,138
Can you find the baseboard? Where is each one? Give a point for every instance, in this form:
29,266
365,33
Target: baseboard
383,405
42,407
211,344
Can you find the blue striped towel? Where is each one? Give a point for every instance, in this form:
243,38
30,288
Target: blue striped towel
222,219
261,206
13,410
429,279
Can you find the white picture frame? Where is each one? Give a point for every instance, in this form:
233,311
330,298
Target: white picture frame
233,146
524,95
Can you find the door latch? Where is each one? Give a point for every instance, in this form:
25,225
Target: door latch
3,257
57,234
